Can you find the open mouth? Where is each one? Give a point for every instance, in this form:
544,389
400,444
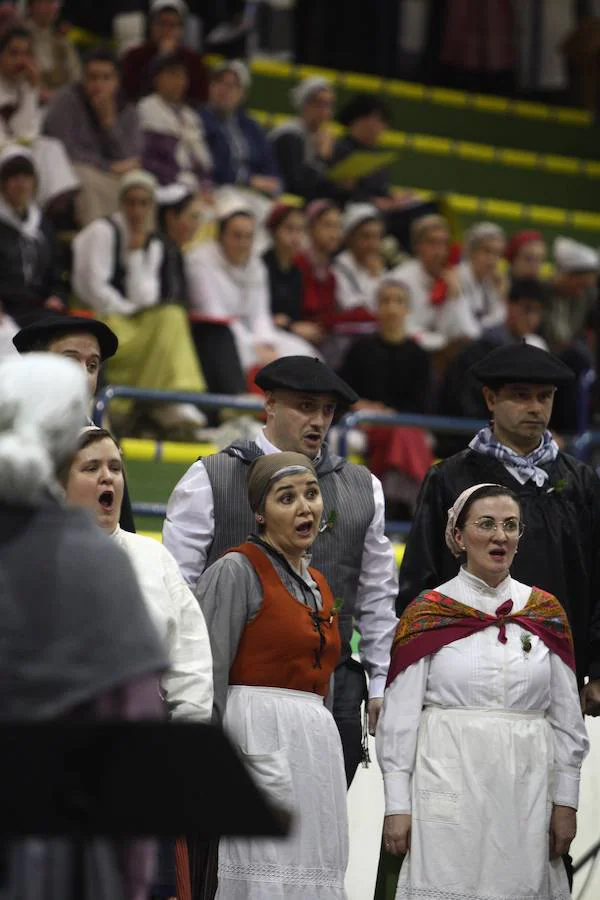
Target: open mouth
304,529
106,499
498,554
313,437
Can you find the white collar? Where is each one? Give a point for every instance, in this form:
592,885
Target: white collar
482,587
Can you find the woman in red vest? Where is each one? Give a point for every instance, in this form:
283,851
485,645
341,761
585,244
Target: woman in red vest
275,640
481,737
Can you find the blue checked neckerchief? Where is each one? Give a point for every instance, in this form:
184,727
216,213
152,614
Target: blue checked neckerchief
522,467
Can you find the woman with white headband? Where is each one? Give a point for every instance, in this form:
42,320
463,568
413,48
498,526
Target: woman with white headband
275,639
123,270
303,146
76,639
481,737
482,282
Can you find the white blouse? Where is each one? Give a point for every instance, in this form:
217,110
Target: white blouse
188,684
355,285
94,251
481,672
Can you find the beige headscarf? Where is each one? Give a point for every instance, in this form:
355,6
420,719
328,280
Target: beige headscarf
455,511
266,470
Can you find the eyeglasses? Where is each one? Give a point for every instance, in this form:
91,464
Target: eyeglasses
510,527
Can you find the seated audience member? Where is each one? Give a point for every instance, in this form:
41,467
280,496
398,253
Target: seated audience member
175,148
388,370
165,36
573,293
460,393
100,132
570,316
366,117
56,58
240,149
482,283
526,254
438,311
391,373
228,283
31,283
359,267
315,262
287,226
121,271
179,216
303,147
21,118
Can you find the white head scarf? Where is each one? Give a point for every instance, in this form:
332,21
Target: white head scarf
43,401
481,231
455,511
571,256
306,88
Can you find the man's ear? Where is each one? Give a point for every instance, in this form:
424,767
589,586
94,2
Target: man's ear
269,402
489,395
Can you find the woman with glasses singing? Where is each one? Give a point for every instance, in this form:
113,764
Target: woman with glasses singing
481,737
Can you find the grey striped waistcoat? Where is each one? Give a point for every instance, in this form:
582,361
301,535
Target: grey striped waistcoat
347,491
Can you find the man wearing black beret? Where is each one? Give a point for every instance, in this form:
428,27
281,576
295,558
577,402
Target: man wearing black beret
209,512
560,498
88,342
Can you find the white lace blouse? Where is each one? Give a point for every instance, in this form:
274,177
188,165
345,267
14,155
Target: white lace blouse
481,672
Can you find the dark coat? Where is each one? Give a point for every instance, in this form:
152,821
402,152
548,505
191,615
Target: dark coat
30,271
252,154
559,552
286,287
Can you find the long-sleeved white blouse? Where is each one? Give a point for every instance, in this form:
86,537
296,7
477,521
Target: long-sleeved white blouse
480,672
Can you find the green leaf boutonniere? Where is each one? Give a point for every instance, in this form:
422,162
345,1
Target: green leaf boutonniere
558,487
525,642
329,523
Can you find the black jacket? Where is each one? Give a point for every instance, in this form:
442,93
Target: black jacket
30,271
559,551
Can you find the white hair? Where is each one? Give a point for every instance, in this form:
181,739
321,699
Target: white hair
43,401
481,231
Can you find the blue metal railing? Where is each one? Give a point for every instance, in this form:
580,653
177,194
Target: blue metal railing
441,424
207,401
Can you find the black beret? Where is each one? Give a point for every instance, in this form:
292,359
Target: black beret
306,375
521,364
46,330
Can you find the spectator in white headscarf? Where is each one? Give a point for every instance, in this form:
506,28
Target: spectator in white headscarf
228,283
303,147
358,269
482,282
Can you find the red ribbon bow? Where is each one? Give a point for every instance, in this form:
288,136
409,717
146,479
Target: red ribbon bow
502,612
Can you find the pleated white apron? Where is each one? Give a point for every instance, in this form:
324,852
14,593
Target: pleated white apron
291,747
481,795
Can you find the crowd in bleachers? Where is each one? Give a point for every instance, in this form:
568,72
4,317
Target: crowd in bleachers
213,246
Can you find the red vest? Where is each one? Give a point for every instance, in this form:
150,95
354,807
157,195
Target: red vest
287,644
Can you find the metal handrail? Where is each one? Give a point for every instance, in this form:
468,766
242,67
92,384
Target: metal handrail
210,401
442,424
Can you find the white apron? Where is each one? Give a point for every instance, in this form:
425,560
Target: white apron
291,747
481,800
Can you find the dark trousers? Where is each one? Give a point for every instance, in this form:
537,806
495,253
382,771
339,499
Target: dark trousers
349,693
217,352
